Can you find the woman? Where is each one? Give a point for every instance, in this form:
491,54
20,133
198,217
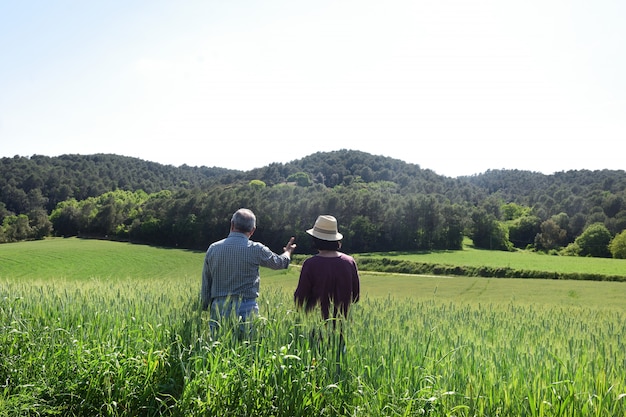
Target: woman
330,277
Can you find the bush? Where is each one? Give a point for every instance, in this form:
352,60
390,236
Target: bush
617,247
421,268
594,241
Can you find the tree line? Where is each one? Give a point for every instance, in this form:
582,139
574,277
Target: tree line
382,204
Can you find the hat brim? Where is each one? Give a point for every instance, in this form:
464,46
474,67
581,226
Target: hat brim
331,237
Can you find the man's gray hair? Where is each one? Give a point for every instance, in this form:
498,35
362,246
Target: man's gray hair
244,220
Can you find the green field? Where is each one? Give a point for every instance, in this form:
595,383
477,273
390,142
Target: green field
104,328
521,260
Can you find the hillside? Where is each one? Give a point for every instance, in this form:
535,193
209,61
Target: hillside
56,179
526,187
384,203
27,182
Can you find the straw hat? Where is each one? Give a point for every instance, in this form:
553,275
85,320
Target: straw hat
326,229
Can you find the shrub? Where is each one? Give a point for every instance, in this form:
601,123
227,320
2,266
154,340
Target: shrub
617,247
594,241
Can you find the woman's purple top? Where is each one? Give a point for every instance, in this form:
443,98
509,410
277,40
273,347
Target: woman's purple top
325,280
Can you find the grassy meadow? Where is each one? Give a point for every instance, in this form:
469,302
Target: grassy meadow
524,260
106,328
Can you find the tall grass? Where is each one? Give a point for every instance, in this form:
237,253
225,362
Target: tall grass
114,341
141,347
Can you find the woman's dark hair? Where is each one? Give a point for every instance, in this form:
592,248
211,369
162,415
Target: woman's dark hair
320,244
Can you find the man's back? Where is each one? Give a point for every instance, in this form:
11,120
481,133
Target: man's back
233,264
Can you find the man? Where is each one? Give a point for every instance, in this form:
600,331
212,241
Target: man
230,276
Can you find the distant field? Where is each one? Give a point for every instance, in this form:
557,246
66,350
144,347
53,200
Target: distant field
80,259
522,260
75,258
93,327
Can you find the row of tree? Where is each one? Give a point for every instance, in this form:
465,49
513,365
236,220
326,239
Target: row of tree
382,204
373,218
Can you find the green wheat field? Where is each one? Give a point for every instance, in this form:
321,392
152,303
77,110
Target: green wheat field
93,328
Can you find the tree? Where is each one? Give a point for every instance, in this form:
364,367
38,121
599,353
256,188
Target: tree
576,224
453,226
551,236
617,247
39,223
612,204
300,178
366,174
512,211
16,228
489,233
36,200
66,218
15,199
523,230
3,211
257,184
362,235
106,219
594,241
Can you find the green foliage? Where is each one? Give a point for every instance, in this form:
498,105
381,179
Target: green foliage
407,208
570,250
523,230
109,214
520,262
618,246
119,333
489,233
257,184
552,236
40,225
16,228
363,233
372,217
594,241
300,178
404,266
512,211
127,345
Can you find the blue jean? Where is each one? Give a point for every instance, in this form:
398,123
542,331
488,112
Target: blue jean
222,308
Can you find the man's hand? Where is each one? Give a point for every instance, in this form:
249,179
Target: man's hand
291,246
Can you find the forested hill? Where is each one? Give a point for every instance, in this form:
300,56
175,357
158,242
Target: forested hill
383,203
526,187
56,179
83,176
344,166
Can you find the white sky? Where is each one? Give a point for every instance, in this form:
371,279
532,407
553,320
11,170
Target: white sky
456,86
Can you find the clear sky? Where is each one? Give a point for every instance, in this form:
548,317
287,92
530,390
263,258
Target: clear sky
456,86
